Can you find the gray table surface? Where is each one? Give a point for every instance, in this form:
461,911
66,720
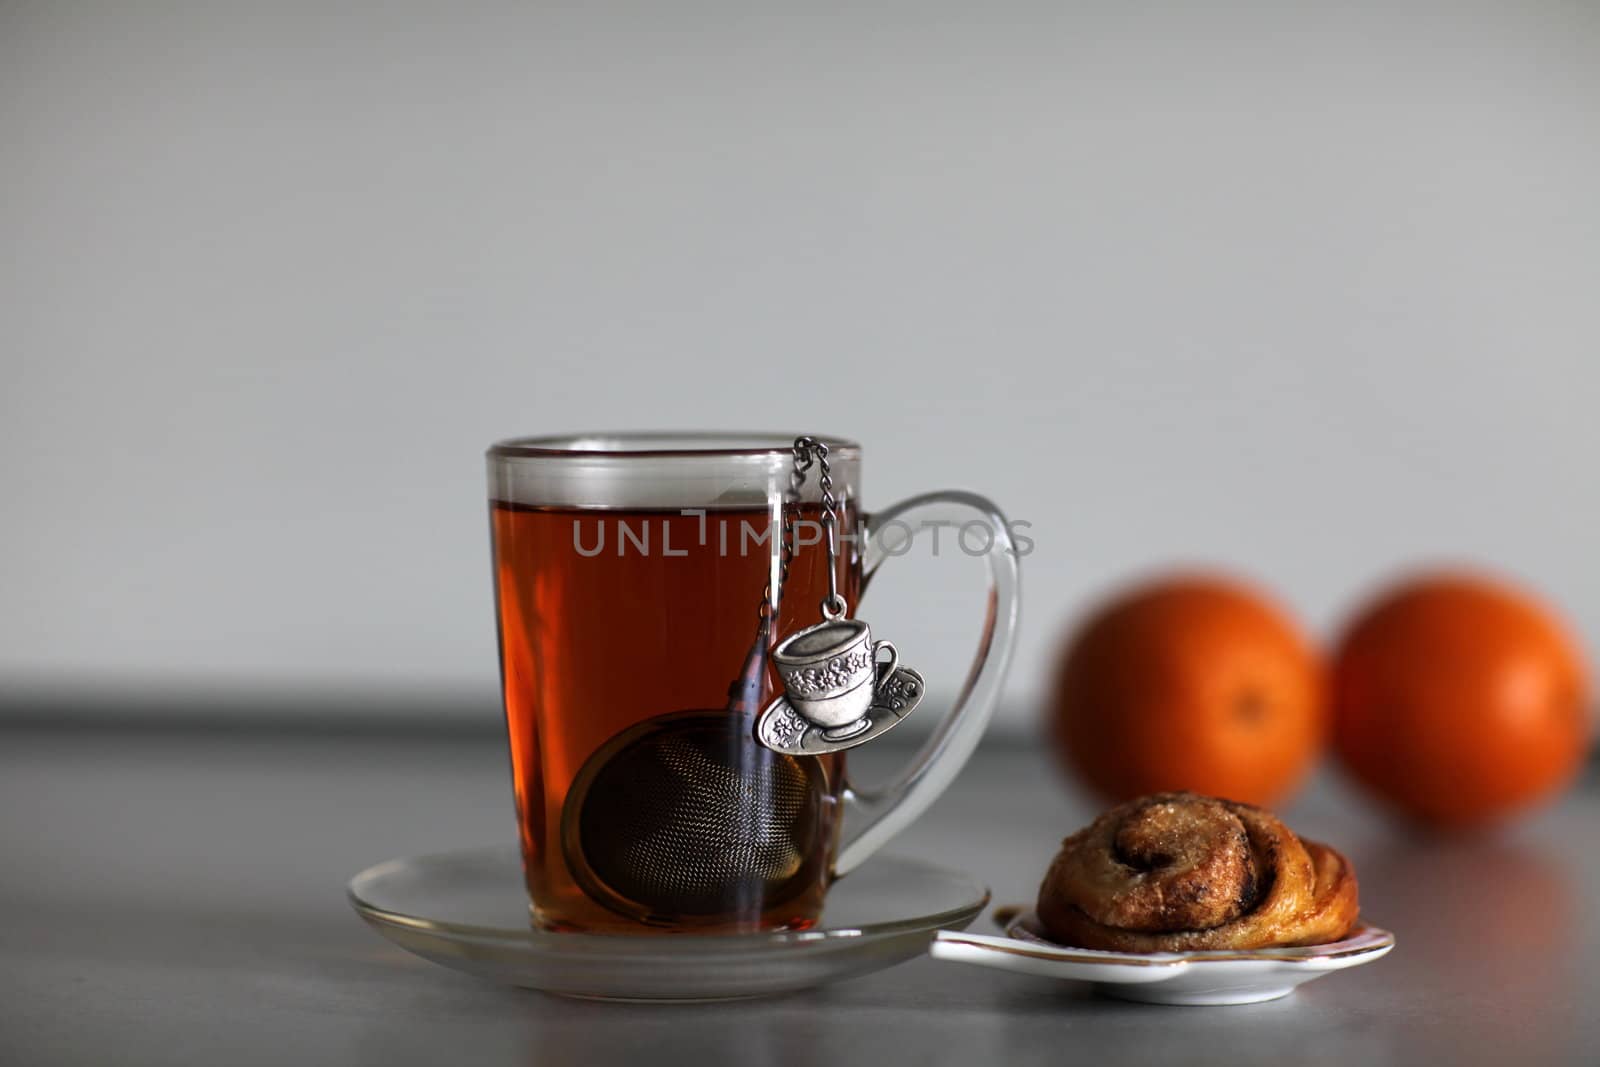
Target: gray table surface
173,898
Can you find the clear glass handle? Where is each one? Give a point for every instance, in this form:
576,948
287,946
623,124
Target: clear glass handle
876,815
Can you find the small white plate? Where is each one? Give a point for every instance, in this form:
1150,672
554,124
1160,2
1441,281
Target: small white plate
1245,976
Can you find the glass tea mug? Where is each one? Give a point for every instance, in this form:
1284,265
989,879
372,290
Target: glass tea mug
643,582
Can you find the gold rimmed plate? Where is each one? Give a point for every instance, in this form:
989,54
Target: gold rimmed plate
1245,976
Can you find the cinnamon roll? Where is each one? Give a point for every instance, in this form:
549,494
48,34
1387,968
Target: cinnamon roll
1176,872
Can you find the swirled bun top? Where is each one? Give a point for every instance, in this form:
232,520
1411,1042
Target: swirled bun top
1180,871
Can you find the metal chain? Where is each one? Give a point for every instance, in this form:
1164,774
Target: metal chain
834,606
808,452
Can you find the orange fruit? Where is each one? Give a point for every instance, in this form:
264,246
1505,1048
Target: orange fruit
1458,699
1192,682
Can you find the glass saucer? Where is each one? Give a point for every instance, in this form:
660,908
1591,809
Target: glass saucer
468,910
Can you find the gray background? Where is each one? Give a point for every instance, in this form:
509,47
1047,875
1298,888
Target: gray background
1307,294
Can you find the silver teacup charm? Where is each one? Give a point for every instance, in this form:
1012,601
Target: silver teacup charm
831,676
836,692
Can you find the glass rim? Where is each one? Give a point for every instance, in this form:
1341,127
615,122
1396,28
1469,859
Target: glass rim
663,443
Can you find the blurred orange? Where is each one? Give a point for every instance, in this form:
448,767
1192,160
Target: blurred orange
1458,699
1189,682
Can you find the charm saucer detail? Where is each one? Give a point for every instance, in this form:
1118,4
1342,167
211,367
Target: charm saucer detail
783,729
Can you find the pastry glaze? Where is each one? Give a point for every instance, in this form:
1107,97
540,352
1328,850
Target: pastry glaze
1176,872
